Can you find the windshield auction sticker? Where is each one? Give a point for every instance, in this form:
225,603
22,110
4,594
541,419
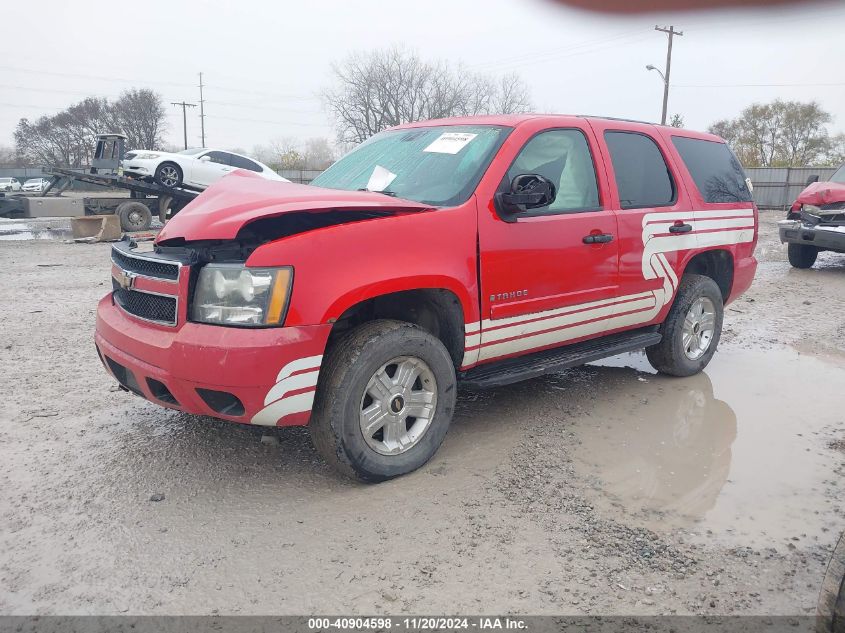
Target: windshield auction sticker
450,142
380,179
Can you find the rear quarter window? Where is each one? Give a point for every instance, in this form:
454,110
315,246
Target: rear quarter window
714,169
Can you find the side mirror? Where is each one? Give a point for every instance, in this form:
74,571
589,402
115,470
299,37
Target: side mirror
528,191
205,159
812,179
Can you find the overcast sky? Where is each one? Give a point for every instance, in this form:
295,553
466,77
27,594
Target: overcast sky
265,62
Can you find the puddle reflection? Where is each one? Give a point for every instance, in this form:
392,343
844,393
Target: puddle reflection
23,231
673,453
738,450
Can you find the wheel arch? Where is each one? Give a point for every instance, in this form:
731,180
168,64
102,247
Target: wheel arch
437,309
716,263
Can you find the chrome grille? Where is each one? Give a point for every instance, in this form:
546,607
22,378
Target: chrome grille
149,267
145,305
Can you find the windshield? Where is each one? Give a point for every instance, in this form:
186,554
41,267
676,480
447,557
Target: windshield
193,150
439,165
33,181
839,175
5,180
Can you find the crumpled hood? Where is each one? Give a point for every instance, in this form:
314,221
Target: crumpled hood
223,209
820,193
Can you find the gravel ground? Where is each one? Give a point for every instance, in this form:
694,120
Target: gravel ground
603,490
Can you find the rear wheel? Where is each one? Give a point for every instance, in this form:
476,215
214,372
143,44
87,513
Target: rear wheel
385,400
802,256
134,216
169,175
691,330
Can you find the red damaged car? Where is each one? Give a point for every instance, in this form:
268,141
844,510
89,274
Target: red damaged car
816,221
477,251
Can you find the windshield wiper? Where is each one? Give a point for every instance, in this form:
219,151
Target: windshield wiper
386,192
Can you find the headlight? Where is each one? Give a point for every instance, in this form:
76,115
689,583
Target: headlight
232,294
144,156
810,208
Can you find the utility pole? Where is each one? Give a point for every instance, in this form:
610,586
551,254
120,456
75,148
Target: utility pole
202,113
184,117
671,31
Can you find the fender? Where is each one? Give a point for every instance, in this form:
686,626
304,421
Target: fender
336,267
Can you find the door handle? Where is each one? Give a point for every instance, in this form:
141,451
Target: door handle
680,227
597,238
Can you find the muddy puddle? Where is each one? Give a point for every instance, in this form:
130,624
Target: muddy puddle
735,452
34,231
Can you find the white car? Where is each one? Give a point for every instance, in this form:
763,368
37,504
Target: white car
35,184
10,184
196,168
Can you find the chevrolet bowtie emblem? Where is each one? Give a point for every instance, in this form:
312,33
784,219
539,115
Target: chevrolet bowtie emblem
125,279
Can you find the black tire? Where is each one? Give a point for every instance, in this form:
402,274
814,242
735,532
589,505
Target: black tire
134,216
669,356
353,360
169,175
802,256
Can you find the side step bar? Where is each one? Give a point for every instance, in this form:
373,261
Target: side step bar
530,366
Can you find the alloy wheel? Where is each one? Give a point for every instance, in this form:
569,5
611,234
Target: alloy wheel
398,405
169,176
699,328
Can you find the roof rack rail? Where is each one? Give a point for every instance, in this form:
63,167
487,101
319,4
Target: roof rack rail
616,118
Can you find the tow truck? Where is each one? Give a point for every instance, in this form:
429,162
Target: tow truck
146,199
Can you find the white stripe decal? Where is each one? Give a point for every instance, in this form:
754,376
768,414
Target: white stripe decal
649,309
620,304
517,320
270,415
311,362
292,383
301,373
541,329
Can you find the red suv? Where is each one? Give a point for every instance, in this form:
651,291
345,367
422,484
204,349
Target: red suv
478,251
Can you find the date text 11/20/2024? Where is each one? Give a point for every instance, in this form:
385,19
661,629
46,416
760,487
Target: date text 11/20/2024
416,623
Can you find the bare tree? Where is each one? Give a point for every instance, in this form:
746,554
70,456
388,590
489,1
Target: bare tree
140,114
677,120
67,138
8,157
318,153
290,153
780,134
376,90
512,96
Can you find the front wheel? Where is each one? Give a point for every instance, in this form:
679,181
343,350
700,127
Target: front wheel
385,400
691,330
801,256
169,175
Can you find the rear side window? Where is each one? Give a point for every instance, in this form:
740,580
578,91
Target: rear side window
244,163
714,168
642,177
221,158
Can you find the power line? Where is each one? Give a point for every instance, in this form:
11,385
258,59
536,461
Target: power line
149,82
251,120
783,85
259,107
586,46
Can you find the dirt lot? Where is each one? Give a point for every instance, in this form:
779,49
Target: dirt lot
602,490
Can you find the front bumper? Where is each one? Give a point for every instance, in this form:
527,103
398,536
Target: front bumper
829,238
264,376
